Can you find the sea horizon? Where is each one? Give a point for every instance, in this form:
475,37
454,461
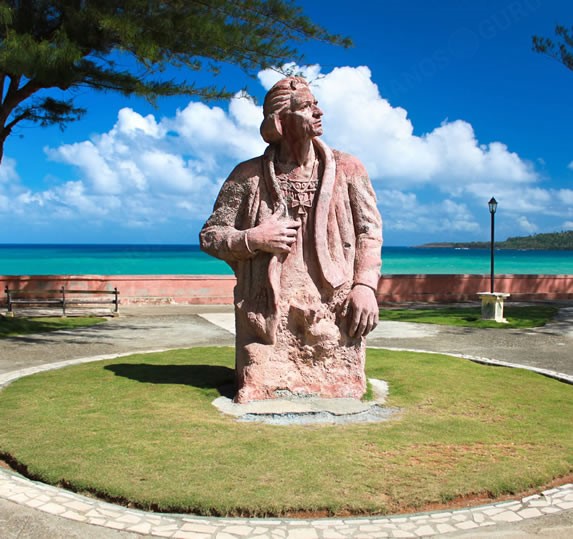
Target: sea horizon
188,259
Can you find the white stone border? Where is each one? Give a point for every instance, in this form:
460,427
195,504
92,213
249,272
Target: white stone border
11,376
18,489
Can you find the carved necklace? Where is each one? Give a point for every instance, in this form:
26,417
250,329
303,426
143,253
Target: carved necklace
299,192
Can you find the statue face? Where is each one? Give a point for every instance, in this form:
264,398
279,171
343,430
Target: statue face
303,120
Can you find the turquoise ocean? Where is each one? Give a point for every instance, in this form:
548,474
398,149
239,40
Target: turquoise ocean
189,260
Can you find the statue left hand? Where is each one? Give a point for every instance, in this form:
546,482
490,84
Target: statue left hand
360,311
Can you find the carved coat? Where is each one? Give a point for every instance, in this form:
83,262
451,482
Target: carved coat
347,232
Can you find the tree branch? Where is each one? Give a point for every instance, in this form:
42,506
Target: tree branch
2,81
9,126
15,96
13,86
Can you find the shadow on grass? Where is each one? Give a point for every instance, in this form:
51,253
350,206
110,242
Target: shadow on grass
199,376
15,327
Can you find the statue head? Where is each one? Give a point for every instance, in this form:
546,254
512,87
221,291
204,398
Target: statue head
287,96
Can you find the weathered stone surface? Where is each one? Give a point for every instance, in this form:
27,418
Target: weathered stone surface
300,228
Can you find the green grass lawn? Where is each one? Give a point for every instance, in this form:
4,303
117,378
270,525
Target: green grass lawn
517,316
12,326
142,429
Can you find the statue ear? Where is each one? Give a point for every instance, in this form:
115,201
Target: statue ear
272,129
278,125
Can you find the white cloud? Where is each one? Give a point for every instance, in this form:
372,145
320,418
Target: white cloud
567,225
359,120
8,172
526,225
565,196
130,123
11,190
268,77
403,211
149,169
570,165
169,173
146,170
212,135
92,162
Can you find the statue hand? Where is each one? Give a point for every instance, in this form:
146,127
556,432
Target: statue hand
360,311
275,235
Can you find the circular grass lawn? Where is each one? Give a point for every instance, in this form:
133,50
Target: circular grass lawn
142,430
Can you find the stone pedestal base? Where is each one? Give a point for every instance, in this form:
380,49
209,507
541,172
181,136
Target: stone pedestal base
492,306
312,410
274,378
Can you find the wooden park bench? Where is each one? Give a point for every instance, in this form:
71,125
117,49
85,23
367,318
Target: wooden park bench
62,298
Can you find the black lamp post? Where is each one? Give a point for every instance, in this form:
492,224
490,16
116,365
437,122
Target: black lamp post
492,204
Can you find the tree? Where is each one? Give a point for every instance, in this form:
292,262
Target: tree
561,50
69,44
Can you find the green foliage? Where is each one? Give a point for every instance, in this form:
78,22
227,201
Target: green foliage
11,327
558,241
550,241
143,429
66,44
517,317
561,49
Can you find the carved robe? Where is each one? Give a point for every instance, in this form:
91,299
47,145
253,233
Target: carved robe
291,336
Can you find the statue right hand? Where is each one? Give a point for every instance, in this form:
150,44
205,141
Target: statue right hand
275,235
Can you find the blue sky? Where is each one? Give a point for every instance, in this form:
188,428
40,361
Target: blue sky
443,101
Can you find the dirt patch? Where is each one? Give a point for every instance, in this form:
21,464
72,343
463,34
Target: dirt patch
475,500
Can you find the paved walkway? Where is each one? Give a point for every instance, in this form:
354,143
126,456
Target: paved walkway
29,510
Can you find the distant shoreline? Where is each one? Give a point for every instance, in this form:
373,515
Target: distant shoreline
553,241
485,245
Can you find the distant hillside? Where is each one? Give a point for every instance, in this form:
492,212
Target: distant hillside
552,241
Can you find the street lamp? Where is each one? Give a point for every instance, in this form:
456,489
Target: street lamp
492,204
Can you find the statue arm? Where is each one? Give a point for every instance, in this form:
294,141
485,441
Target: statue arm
368,230
361,306
224,235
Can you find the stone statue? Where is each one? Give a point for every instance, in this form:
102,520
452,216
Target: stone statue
300,228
